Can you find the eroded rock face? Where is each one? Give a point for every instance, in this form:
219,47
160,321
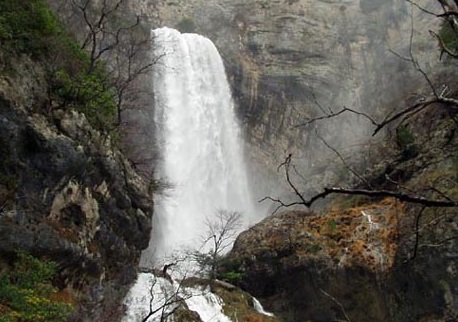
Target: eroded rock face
280,54
349,265
289,61
68,195
298,261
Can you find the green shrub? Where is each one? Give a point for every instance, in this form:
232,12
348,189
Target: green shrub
332,226
26,26
89,93
186,25
448,35
232,277
27,292
352,201
29,27
406,142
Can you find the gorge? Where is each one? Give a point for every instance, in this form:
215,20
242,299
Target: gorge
85,143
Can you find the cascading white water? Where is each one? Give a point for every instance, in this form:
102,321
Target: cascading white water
202,159
199,134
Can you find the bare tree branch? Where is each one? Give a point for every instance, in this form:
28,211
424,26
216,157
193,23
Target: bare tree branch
344,162
347,318
383,193
411,198
334,114
222,229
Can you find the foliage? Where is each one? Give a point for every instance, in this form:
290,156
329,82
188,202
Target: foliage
186,25
352,201
238,305
89,93
406,142
27,292
232,277
448,35
332,226
27,26
313,248
404,136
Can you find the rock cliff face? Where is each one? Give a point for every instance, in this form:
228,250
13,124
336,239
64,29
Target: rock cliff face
379,261
292,60
295,59
68,195
349,265
282,55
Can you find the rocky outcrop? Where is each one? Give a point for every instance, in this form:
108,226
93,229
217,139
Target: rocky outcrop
68,195
349,265
298,262
367,260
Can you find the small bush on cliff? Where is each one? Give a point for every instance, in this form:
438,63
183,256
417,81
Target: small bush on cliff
406,142
89,93
232,277
448,35
186,25
26,293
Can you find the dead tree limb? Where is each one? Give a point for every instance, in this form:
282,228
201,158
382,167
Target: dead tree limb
347,318
334,114
383,194
447,202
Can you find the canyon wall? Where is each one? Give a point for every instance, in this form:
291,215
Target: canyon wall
289,61
68,195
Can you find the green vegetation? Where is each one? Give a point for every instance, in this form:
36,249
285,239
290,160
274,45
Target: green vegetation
448,35
89,93
238,305
332,226
29,27
404,136
26,293
313,248
347,202
186,25
229,270
232,277
406,142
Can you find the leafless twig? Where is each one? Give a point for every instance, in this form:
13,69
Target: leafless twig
347,318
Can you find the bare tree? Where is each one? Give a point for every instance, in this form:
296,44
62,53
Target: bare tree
170,303
103,31
116,40
221,231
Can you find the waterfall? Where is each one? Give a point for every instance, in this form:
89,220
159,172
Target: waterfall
199,137
202,159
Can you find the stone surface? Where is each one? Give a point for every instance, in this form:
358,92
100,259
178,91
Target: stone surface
68,195
372,260
289,61
340,266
